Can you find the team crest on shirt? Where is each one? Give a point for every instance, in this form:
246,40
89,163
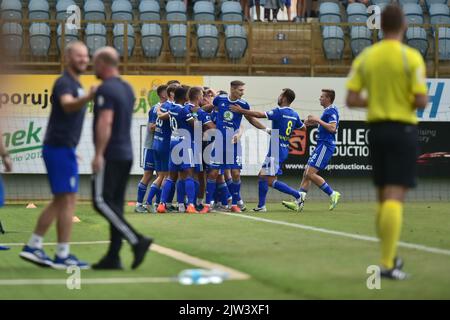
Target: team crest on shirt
80,92
228,115
100,101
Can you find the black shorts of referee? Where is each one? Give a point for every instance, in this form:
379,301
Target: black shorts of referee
393,153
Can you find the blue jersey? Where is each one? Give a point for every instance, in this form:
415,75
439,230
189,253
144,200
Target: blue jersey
330,115
199,115
225,118
64,128
179,118
161,138
285,120
152,116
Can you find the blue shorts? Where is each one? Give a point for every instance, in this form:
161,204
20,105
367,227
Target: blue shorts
183,161
62,169
2,193
287,3
321,156
161,160
231,158
149,163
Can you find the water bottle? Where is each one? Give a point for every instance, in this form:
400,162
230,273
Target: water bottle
201,276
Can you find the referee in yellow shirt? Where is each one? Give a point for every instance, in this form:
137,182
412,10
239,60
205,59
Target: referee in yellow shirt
393,76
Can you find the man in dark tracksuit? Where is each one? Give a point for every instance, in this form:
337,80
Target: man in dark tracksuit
113,109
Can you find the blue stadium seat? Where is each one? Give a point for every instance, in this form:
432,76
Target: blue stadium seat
149,10
444,43
177,40
38,10
207,41
204,11
12,38
119,39
403,2
333,42
151,40
378,2
356,13
231,11
329,12
360,38
61,9
235,41
70,34
94,10
439,14
416,37
430,2
95,36
39,39
121,10
176,11
11,10
413,13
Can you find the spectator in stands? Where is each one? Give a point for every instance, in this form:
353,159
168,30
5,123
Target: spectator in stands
288,5
301,11
246,8
274,6
257,5
365,2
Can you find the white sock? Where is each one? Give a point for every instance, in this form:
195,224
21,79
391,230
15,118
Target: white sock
138,204
35,241
62,250
240,202
181,207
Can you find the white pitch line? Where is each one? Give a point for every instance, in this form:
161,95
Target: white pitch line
414,246
26,282
177,255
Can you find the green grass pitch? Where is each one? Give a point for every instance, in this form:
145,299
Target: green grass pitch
284,262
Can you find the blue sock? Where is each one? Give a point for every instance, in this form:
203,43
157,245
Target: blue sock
326,188
235,191
303,190
190,190
158,195
196,188
222,191
283,187
181,191
263,188
153,191
210,191
171,193
166,189
142,190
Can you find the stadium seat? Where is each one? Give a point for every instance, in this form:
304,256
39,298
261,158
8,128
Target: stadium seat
333,42
12,38
119,39
413,13
360,38
378,2
403,2
444,43
439,14
356,13
95,36
204,11
177,40
94,10
149,10
207,41
121,10
176,11
70,34
11,10
39,39
38,10
61,9
430,2
151,40
231,11
329,12
416,37
235,41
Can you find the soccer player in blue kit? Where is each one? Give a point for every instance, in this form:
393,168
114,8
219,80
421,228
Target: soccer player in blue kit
149,163
227,152
284,121
61,138
326,140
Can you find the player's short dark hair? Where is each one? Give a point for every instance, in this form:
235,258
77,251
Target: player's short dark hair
173,82
180,95
289,94
237,83
222,92
194,92
171,88
161,89
330,94
392,19
186,87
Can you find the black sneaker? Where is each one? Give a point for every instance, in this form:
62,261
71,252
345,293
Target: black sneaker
108,264
2,231
396,272
398,263
140,250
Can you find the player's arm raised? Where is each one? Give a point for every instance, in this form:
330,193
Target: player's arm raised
102,136
71,104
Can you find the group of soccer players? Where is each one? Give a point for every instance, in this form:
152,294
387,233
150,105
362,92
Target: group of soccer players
193,144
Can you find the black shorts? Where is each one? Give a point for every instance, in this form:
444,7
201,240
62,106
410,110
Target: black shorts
393,153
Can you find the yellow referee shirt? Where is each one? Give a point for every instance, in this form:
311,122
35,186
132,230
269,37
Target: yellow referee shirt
392,73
